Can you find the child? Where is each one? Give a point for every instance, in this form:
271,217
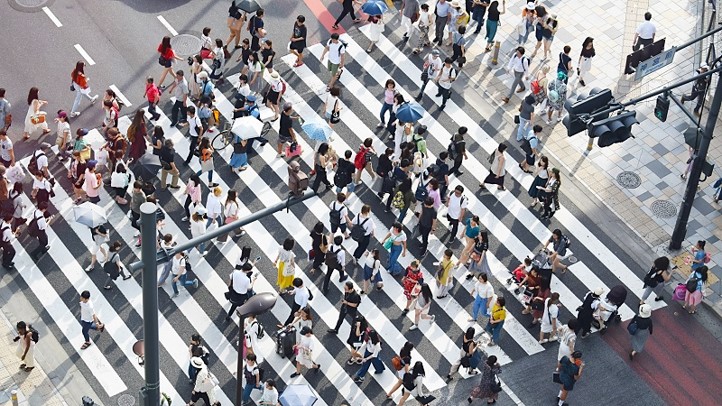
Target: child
371,271
518,274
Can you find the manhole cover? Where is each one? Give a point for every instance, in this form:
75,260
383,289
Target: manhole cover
126,400
29,6
629,180
572,259
664,209
186,44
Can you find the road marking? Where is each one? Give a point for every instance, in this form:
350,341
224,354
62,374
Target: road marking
120,95
52,17
84,54
167,25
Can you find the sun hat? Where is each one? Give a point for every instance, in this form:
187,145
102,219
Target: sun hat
598,291
645,311
274,75
197,362
530,5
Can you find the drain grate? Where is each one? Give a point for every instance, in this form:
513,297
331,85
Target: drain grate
29,6
126,400
572,259
186,44
663,209
629,180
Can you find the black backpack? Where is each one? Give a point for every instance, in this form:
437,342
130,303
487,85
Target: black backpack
526,145
35,335
651,278
358,232
249,374
335,214
408,381
692,283
33,164
331,259
188,266
261,331
111,268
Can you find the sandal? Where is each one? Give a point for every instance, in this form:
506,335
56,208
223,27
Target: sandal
101,327
22,366
335,26
28,369
85,345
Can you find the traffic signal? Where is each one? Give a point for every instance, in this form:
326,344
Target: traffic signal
662,107
613,129
580,106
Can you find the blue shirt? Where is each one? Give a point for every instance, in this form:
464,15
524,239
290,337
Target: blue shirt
471,232
442,9
698,256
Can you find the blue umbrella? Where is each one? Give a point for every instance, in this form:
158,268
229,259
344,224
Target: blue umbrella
374,7
317,131
298,395
409,112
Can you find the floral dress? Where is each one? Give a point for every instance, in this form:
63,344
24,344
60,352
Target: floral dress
488,382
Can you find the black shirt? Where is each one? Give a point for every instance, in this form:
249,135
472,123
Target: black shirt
267,55
245,54
284,129
156,151
494,14
564,60
299,31
167,154
352,297
384,165
428,214
442,172
588,53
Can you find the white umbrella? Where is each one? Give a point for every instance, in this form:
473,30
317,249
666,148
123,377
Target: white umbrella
247,127
90,214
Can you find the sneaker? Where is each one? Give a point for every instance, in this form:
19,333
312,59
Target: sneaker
93,99
195,283
74,114
413,327
281,155
295,374
433,318
184,219
89,268
351,361
380,125
543,341
358,379
175,295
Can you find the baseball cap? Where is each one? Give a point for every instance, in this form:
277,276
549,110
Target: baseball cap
251,98
92,163
530,5
62,114
435,52
82,131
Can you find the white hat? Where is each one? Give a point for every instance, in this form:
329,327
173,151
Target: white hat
201,211
203,75
274,75
530,5
197,362
455,4
645,311
598,291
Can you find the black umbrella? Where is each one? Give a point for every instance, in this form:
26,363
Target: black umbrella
249,6
146,170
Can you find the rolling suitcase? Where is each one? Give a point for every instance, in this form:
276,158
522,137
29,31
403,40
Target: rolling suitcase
285,341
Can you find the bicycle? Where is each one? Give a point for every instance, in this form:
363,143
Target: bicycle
226,136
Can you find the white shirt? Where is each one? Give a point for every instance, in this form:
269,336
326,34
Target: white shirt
277,86
42,223
63,131
231,209
335,51
251,328
7,233
41,159
213,206
423,20
455,205
646,30
518,64
241,283
6,145
550,310
340,253
484,290
194,122
300,296
330,103
374,349
270,396
435,65
447,75
86,311
368,223
41,184
179,265
285,256
198,228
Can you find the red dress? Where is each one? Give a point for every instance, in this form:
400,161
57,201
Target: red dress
411,279
138,146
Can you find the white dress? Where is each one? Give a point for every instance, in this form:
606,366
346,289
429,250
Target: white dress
375,30
29,126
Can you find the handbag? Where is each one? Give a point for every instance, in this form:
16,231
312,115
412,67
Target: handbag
38,118
311,255
496,386
632,327
516,119
556,377
72,86
335,114
388,243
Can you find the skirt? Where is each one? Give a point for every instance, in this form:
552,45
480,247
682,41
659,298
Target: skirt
491,178
639,339
533,191
284,282
238,160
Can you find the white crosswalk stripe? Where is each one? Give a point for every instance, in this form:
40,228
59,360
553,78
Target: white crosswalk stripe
440,340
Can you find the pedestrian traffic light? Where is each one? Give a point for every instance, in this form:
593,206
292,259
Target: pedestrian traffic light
613,129
662,107
581,108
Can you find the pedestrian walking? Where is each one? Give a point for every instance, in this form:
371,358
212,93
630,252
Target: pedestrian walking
301,296
427,223
256,29
336,50
376,28
412,282
699,92
402,365
430,70
456,205
483,293
79,83
372,352
567,339
549,319
519,66
423,304
395,243
472,229
656,279
526,117
27,338
152,94
526,24
695,285
195,130
199,228
113,266
204,386
565,63
322,161
6,118
270,394
548,25
7,153
344,177
196,349
286,265
404,198
388,103
447,76
493,22
530,146
489,386
478,12
444,277
348,8
457,150
35,118
423,24
459,47
335,260
496,321
584,65
355,340
442,11
497,171
88,319
644,35
239,287
362,161
409,11
304,352
253,331
252,376
551,194
179,90
362,229
137,136
38,229
556,96
166,59
468,357
349,306
372,268
585,312
540,179
319,246
640,328
167,157
236,18
298,40
570,370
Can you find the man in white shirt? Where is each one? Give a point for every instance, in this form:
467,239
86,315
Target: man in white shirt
241,284
336,50
408,9
7,154
301,296
88,319
447,75
432,68
645,33
42,163
41,224
549,319
180,273
365,222
195,130
456,206
179,89
6,242
519,65
270,394
442,10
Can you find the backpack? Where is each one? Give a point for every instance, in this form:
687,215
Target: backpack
335,214
454,147
358,232
111,268
188,266
420,144
35,335
249,374
33,229
252,26
261,331
398,201
360,160
421,192
408,381
332,259
692,283
535,86
650,278
567,244
120,107
526,145
33,164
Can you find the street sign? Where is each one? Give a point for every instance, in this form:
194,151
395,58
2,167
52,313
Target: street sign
655,63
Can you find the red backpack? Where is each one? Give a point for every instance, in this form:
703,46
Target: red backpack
535,86
360,159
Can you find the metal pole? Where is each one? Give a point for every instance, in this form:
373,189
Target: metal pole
166,255
151,351
680,227
239,367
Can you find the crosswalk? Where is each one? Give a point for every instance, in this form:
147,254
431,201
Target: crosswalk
516,232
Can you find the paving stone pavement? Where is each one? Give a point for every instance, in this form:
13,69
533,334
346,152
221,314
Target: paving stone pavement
657,155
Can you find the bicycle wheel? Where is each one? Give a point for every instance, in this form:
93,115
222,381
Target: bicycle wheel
266,129
221,140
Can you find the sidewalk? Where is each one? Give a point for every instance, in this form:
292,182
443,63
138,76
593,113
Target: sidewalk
644,170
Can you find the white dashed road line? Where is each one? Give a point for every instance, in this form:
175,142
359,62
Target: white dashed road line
167,25
52,17
84,54
120,95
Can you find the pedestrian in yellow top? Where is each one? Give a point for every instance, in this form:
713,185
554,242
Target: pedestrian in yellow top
286,265
443,275
496,321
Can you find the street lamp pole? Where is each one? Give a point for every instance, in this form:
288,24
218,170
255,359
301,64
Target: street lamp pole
680,227
150,393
